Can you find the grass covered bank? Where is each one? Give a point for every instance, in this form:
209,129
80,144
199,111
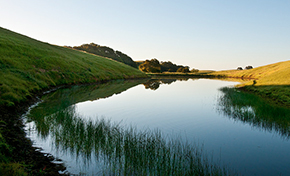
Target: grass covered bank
270,81
27,67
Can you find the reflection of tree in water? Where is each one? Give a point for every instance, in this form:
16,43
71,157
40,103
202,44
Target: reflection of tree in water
251,109
167,81
154,84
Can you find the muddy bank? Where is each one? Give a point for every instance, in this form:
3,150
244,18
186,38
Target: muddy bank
21,150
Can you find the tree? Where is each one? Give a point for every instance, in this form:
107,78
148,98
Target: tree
152,84
183,69
194,70
168,66
239,68
152,66
248,67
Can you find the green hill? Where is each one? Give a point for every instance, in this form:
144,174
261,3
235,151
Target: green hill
106,52
28,66
270,81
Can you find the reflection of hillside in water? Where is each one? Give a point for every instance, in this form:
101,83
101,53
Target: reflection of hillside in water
251,109
76,94
66,97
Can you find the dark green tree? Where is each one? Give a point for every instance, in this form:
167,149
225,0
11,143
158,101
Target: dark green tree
152,66
183,69
194,70
248,67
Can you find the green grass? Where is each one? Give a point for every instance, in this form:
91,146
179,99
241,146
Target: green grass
5,149
270,81
28,65
12,169
7,166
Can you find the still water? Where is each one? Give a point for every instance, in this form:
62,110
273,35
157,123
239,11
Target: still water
234,129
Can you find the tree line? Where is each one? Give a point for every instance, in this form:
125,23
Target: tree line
151,66
154,66
246,68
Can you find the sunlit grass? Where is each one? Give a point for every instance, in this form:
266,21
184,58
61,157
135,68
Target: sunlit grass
28,65
270,81
273,74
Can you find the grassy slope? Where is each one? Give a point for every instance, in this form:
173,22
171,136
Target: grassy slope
270,81
28,65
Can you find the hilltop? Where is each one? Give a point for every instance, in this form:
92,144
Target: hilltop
29,66
106,52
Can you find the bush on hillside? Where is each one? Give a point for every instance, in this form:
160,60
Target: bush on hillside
183,69
151,66
248,67
194,70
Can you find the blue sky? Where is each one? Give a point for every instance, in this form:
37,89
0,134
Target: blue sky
204,34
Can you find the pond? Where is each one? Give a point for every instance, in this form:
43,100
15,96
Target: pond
91,127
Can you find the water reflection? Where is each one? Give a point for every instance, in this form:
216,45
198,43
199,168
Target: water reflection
251,109
120,150
117,149
66,120
64,98
154,84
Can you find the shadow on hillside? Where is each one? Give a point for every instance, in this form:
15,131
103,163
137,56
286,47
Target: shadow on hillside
252,109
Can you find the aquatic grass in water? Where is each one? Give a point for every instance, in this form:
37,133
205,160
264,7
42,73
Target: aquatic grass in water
125,150
251,109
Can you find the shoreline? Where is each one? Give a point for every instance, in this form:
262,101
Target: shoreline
34,160
21,150
274,94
